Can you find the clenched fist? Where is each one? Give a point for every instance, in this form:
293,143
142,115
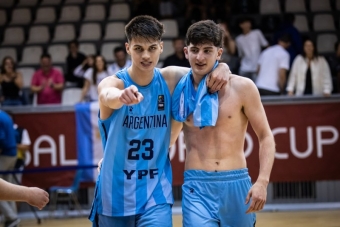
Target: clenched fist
131,96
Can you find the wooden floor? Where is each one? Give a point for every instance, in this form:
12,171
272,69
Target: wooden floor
330,218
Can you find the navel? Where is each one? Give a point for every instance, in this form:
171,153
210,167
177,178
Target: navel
229,116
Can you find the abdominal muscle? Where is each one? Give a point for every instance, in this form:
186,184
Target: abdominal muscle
217,148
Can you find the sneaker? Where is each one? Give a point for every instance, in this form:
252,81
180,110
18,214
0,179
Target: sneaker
12,223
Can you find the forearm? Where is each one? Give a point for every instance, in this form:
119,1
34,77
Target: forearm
266,156
110,97
11,192
36,89
58,87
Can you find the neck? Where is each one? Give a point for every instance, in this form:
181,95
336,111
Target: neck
180,55
246,32
142,78
196,80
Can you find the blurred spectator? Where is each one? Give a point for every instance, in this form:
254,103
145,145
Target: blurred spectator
74,58
288,27
272,68
334,61
166,9
310,73
195,11
178,58
11,83
8,153
229,49
145,7
93,76
218,10
47,82
80,70
121,60
249,45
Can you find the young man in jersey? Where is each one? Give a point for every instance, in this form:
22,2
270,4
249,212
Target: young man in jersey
217,189
134,187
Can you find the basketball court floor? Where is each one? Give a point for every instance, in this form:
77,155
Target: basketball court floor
324,218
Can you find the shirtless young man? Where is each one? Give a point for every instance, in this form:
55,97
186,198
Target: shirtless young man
217,189
134,187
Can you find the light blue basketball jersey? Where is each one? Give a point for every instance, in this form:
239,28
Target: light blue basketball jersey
136,172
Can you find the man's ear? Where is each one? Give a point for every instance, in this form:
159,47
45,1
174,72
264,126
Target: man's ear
127,47
186,52
219,54
161,45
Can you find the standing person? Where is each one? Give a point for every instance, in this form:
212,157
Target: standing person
134,187
73,59
217,189
272,68
249,45
80,70
8,158
11,83
310,73
47,82
178,58
121,60
93,76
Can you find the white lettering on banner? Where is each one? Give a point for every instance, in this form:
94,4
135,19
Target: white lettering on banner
292,139
320,141
276,131
46,150
181,149
63,161
52,149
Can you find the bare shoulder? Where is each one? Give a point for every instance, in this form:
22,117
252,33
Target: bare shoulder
242,85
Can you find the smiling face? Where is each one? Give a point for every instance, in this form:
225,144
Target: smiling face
144,53
202,57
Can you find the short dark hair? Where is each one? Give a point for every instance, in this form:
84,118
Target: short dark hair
45,55
74,42
245,19
146,27
118,49
205,31
285,38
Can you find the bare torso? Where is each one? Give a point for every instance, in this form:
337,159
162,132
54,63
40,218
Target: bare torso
220,147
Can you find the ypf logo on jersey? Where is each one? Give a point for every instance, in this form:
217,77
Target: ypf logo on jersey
160,102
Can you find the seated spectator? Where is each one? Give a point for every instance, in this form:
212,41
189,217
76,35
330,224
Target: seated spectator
93,76
178,58
47,82
272,68
249,45
80,70
11,83
310,73
74,58
334,61
121,60
229,49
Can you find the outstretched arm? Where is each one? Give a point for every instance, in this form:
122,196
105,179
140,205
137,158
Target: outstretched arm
254,110
31,195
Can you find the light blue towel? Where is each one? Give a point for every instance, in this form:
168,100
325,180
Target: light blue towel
186,100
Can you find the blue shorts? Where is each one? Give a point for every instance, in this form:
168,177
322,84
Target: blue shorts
212,199
159,215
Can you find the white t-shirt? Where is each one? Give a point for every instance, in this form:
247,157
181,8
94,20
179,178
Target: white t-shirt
93,91
249,49
271,61
113,68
